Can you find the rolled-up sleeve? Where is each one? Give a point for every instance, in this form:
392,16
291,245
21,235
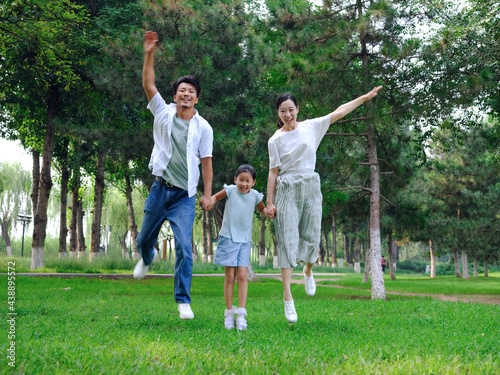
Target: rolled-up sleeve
206,143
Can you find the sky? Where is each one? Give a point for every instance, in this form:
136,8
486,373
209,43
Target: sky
11,151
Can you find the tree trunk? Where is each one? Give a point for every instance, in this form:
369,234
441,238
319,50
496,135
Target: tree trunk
475,267
171,248
79,229
194,248
73,237
45,184
216,227
36,179
219,212
346,249
465,267
131,217
275,253
63,225
334,242
433,261
95,241
123,242
352,252
251,276
378,285
486,266
366,273
321,253
457,262
210,238
6,238
204,229
357,254
262,242
390,252
367,270
327,250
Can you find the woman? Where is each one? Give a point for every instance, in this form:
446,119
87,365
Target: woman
293,189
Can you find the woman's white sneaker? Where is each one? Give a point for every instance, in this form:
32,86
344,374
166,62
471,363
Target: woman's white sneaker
310,285
290,313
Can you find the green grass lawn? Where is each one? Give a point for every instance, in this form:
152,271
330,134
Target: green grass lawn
98,326
424,284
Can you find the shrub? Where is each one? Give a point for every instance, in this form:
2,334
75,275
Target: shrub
412,265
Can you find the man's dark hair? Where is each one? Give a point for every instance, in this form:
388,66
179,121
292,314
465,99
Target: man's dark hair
188,79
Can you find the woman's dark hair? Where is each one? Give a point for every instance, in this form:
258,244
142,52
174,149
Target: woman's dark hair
281,99
187,79
246,168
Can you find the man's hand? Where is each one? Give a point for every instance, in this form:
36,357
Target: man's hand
150,41
206,203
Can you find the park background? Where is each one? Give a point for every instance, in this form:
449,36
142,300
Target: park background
413,175
419,164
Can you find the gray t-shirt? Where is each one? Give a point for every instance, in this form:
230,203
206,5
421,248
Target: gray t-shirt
177,170
238,214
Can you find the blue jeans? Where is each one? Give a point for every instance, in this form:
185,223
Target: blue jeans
172,204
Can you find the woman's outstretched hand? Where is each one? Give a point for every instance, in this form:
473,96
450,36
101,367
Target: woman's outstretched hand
372,93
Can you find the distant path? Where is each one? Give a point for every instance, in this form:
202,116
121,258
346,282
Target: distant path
467,298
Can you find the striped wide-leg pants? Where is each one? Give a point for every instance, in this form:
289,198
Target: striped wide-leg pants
298,203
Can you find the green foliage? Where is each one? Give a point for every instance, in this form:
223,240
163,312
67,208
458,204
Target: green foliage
411,265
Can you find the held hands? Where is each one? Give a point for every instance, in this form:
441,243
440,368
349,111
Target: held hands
150,41
270,211
207,203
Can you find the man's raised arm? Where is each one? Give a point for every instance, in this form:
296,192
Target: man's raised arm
148,69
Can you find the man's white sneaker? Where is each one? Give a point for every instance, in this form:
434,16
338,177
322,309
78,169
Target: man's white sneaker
290,313
241,322
310,285
140,270
185,311
229,318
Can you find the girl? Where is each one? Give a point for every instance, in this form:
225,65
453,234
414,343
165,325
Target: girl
293,189
235,238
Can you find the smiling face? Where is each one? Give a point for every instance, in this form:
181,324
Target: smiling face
186,95
244,181
287,111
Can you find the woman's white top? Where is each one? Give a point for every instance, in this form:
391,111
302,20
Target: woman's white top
295,150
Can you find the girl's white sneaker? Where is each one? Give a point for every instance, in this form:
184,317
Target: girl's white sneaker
229,318
241,322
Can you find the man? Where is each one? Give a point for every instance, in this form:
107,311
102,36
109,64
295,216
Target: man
182,139
383,263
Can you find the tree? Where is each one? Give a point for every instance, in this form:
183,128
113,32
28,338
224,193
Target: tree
43,44
13,198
